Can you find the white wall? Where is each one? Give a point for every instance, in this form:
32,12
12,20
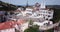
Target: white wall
45,13
8,30
24,26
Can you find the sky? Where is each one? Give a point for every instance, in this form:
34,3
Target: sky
32,2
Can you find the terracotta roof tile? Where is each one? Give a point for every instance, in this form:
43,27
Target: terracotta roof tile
10,24
7,25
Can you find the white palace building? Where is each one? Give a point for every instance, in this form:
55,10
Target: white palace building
38,11
35,12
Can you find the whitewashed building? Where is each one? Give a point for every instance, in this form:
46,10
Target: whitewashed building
43,12
29,9
46,14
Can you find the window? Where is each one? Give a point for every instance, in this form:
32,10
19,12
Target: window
49,12
49,16
47,19
38,15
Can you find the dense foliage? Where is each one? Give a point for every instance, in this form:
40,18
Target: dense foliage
7,6
34,28
56,16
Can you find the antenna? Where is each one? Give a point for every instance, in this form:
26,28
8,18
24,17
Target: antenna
27,3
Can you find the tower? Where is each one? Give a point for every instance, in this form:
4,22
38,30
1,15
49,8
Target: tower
37,6
43,4
27,3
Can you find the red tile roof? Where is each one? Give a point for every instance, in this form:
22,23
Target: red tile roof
10,24
7,25
20,21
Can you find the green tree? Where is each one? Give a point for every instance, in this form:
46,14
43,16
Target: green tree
30,22
50,30
34,28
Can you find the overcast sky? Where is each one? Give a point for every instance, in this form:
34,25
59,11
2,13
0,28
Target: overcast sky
31,2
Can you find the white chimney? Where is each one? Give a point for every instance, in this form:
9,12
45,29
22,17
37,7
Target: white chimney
43,4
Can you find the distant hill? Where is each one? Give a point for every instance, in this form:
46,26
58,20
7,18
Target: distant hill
49,6
53,6
7,6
